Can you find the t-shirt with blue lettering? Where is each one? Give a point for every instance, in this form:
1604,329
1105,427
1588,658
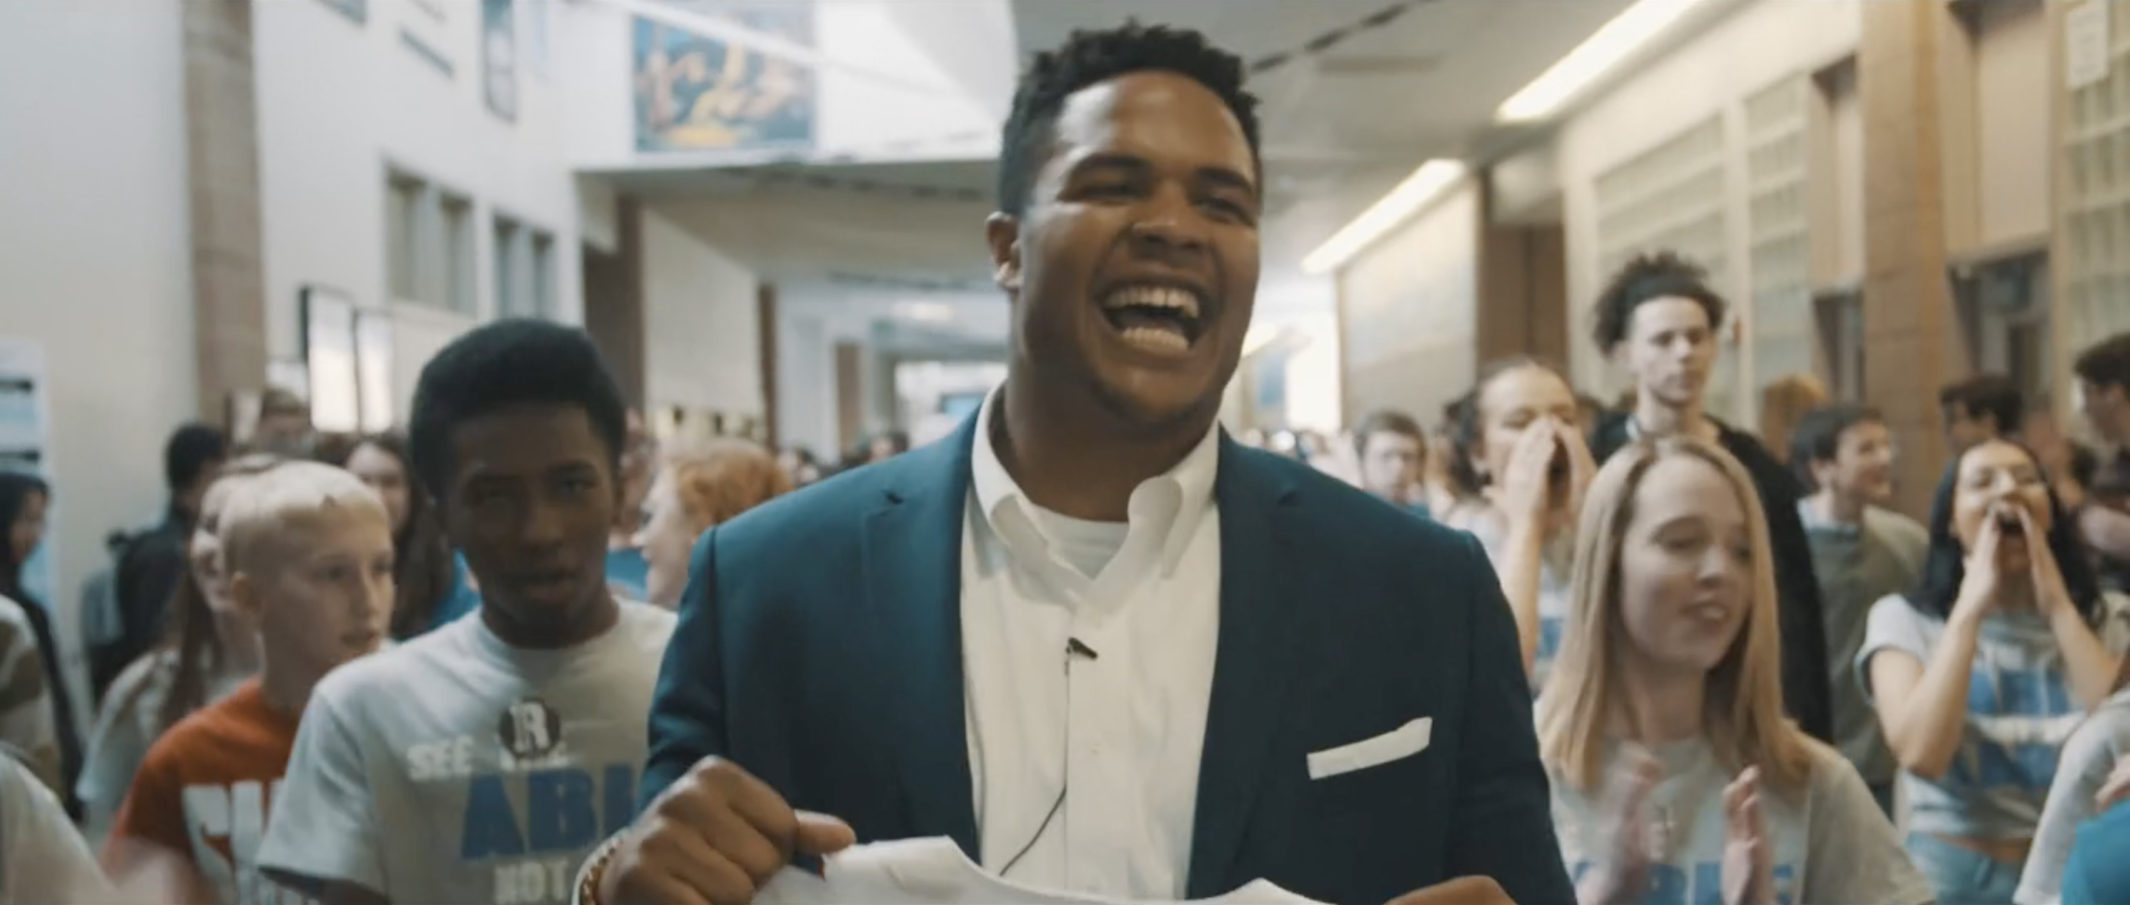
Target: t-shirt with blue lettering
456,768
1487,523
1829,841
2019,712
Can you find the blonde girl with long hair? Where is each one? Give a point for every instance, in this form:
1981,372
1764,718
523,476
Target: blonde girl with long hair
1676,777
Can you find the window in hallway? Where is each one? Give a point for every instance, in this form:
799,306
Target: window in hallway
403,203
543,274
455,269
1778,231
1671,198
2094,232
505,255
524,263
2004,314
428,243
1840,319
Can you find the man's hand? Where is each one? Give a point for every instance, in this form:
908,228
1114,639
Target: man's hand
715,836
1460,891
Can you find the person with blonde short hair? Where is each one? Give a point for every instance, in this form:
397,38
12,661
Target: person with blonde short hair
308,553
1675,775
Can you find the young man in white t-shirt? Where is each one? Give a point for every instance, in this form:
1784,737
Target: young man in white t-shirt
481,762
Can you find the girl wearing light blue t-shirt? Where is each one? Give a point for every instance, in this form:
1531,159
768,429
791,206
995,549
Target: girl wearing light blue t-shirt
1980,674
1520,467
1676,778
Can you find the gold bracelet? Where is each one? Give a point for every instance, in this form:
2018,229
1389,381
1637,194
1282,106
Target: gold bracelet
588,877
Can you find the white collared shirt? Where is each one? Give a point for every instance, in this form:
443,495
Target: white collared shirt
1126,725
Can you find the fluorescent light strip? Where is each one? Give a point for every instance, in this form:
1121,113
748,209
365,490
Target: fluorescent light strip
1392,209
1599,53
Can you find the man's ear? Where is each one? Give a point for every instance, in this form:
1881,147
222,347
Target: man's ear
1002,232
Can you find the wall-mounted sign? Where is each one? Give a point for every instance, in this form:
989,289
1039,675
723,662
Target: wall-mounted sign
329,359
700,93
25,444
499,57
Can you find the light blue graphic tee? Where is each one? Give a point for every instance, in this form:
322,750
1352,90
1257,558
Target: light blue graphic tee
2019,712
1829,840
455,768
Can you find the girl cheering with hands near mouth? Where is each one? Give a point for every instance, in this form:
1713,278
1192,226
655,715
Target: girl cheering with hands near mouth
1981,673
1669,684
1521,468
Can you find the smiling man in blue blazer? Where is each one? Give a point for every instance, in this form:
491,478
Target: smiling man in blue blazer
1088,638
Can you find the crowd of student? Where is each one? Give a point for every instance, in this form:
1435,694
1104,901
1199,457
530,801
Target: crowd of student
275,568
417,669
1974,662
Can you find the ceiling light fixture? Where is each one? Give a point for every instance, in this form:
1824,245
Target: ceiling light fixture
1604,49
1408,198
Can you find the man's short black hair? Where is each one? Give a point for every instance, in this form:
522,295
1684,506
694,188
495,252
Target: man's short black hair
193,449
2105,363
1090,57
1817,436
1649,277
505,363
1987,394
1387,421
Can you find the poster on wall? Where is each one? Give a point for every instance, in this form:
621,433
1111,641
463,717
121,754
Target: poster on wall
499,57
329,359
700,93
25,442
373,369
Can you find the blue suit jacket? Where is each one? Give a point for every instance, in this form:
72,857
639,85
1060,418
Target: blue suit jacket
819,647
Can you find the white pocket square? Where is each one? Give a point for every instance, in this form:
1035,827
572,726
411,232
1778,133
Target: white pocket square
1402,742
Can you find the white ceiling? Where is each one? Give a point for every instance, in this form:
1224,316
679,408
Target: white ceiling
1341,126
906,225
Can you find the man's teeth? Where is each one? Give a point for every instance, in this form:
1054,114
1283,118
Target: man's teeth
1153,297
1156,338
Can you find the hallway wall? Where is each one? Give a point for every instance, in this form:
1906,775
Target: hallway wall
93,225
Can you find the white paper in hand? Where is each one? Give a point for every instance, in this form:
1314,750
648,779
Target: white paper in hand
933,871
